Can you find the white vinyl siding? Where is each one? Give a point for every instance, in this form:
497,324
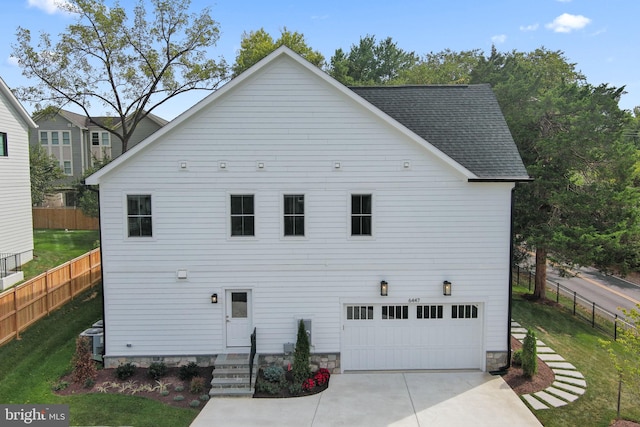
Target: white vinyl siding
429,224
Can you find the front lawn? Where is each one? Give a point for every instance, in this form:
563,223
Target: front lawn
579,344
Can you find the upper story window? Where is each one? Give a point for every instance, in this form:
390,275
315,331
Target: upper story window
58,144
361,215
139,215
4,148
242,215
294,215
66,138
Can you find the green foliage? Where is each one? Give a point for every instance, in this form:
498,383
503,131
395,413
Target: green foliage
295,388
189,371
44,171
197,385
125,371
178,398
128,64
529,355
84,368
274,374
368,63
157,370
204,397
445,67
88,194
517,357
60,385
194,403
179,388
301,355
269,387
255,45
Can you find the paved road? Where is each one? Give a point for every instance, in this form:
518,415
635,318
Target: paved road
608,292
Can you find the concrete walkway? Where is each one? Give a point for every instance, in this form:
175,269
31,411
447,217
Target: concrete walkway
569,384
399,399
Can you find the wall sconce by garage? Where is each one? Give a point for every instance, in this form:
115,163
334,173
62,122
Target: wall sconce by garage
446,288
214,298
384,288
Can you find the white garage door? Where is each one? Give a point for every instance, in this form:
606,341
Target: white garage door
411,336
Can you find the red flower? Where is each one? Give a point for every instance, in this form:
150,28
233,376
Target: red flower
322,376
308,384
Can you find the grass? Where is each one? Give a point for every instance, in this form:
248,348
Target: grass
55,247
580,344
31,366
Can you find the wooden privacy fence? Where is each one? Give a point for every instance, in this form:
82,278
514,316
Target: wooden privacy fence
24,304
63,219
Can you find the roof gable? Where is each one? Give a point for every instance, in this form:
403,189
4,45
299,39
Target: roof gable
9,96
284,52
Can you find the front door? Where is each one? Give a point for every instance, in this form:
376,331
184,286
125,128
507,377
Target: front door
238,316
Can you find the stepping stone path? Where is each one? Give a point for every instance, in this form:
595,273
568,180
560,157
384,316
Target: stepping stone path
568,385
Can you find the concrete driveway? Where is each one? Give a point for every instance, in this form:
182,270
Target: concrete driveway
382,399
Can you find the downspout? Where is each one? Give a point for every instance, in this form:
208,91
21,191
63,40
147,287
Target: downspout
503,369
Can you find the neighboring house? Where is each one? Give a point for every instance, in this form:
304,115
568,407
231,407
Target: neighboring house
285,195
77,143
16,233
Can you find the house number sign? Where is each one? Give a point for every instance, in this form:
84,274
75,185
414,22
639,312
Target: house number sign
414,299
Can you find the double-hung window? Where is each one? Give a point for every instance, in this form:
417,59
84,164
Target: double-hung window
139,215
242,215
361,215
4,148
294,215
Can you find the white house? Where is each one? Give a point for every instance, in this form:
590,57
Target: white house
16,229
286,195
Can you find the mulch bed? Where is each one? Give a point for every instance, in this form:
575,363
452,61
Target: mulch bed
140,378
523,385
284,392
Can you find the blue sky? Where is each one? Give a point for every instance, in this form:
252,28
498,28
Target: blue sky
600,36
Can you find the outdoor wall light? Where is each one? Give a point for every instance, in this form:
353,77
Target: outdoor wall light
446,288
384,288
214,298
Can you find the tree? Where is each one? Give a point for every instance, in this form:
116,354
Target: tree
255,45
445,67
529,355
44,171
128,67
581,207
368,63
88,200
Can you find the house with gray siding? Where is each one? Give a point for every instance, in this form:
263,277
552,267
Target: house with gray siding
379,215
16,233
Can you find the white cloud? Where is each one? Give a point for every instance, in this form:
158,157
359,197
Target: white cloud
500,38
48,6
566,23
12,60
531,27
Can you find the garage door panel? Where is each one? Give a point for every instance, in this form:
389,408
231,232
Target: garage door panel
413,341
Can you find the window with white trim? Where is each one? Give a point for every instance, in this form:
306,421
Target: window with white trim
139,215
294,214
361,214
100,146
398,312
50,140
429,312
242,215
359,312
466,311
4,146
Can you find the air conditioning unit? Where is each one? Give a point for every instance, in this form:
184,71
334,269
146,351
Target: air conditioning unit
96,338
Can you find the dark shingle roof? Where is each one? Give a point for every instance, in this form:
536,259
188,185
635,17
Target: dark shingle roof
463,121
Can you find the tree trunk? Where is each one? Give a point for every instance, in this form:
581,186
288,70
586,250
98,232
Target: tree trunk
540,291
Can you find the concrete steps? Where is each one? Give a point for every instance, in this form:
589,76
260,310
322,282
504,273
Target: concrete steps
231,376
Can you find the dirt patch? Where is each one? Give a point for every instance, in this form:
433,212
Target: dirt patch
523,385
141,384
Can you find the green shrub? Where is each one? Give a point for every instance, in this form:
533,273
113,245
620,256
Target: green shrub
268,387
301,369
295,388
517,357
197,385
164,393
84,368
178,388
204,397
529,355
274,374
157,370
178,398
194,403
60,385
125,371
189,371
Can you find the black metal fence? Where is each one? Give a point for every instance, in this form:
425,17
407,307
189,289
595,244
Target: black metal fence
581,307
9,264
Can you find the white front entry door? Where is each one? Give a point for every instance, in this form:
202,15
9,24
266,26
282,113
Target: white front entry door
238,317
